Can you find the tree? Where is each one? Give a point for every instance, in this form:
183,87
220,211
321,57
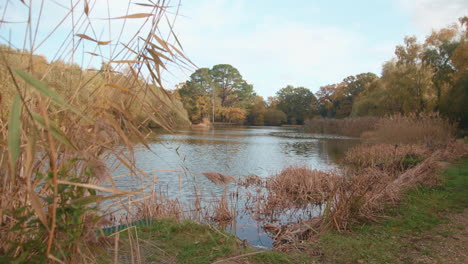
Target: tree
453,102
274,117
411,77
257,111
232,114
196,93
354,85
231,88
222,85
297,103
438,52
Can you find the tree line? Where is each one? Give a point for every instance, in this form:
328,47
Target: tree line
428,76
220,94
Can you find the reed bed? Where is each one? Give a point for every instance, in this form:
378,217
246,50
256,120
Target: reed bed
429,129
222,213
219,178
60,122
387,157
348,196
351,126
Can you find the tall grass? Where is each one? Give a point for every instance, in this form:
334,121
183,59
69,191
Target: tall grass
60,123
372,179
430,129
352,126
387,157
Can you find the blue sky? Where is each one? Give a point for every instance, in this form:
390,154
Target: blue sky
275,43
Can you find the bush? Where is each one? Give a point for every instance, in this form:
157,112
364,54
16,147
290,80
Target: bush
275,117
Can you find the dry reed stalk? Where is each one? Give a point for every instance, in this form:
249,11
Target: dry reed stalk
222,213
155,206
387,157
61,122
219,178
356,196
429,129
353,127
251,180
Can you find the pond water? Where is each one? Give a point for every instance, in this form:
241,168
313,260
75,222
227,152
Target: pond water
235,151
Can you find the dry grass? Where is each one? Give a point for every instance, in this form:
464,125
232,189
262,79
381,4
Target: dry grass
353,127
156,206
219,178
352,195
429,129
222,212
60,123
251,180
387,157
299,184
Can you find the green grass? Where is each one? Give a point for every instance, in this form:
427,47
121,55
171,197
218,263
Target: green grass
420,212
389,241
189,242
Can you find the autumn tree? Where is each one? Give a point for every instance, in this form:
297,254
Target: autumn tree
274,117
336,100
196,94
256,112
453,102
297,103
223,85
231,87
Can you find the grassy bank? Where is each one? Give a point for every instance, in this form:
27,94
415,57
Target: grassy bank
420,217
169,241
410,232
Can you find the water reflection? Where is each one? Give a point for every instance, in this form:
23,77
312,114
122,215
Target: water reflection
234,151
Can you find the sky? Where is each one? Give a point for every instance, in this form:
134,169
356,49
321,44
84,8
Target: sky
309,43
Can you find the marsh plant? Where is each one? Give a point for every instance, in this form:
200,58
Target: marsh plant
62,119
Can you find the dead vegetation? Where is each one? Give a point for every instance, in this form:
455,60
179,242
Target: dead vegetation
429,129
61,122
352,126
219,178
373,177
391,158
222,212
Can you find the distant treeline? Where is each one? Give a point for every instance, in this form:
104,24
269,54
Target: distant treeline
431,76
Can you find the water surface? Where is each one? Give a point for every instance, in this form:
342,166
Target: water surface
235,151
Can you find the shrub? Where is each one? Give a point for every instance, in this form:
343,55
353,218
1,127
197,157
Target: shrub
275,117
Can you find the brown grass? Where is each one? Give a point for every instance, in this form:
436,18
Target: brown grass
222,213
156,206
352,127
352,195
387,157
250,180
219,178
60,123
429,129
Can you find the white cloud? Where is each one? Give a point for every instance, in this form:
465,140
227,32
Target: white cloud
272,54
434,14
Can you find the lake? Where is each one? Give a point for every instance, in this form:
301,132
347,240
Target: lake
235,151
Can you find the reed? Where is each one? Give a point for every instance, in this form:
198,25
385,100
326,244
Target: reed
60,123
387,157
222,212
429,129
352,126
379,177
